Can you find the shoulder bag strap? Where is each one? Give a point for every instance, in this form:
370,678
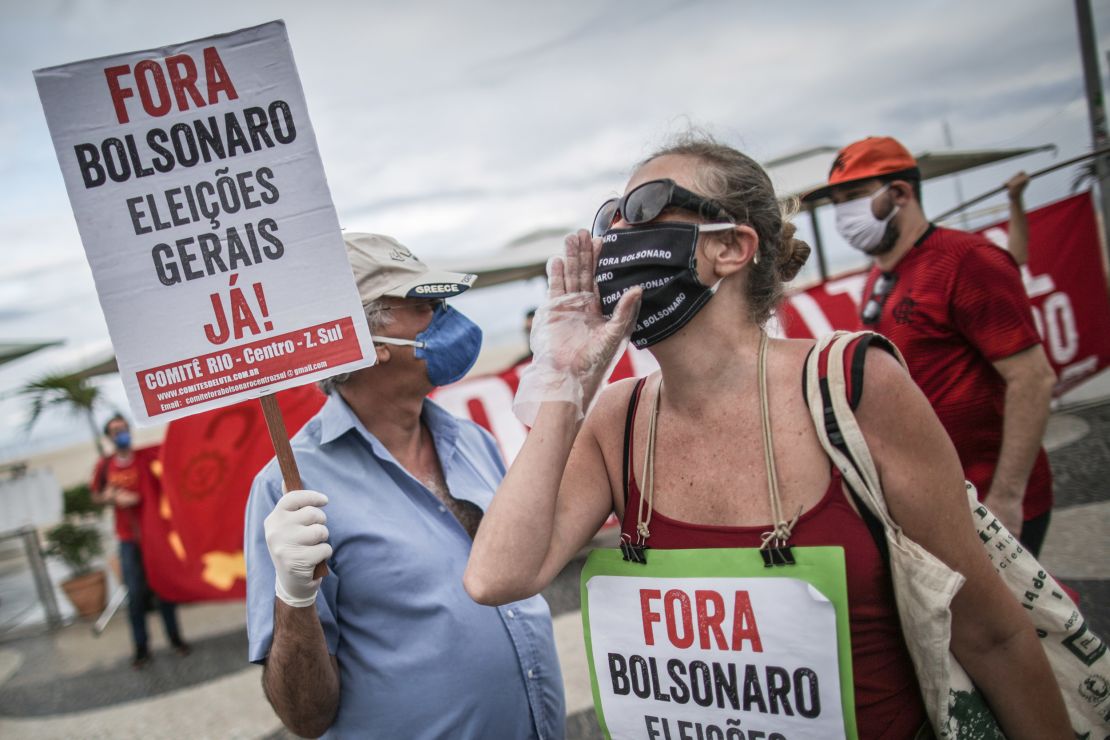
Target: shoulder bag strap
874,526
835,422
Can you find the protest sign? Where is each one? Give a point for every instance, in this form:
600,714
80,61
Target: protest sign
206,218
682,647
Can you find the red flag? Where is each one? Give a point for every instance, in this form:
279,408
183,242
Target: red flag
193,534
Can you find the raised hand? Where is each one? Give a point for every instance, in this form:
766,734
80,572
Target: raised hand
1016,185
572,341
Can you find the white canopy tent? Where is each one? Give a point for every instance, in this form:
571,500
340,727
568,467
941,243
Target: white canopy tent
793,175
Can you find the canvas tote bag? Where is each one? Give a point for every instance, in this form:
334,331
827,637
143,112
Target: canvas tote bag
924,586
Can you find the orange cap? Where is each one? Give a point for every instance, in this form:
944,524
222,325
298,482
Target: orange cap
874,156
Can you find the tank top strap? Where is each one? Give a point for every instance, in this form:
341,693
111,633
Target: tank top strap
629,430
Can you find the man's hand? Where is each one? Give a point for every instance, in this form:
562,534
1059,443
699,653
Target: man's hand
1006,505
121,497
1016,185
297,540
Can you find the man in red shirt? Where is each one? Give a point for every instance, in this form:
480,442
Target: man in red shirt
128,481
955,306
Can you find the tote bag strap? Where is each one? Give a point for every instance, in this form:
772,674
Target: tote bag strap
826,391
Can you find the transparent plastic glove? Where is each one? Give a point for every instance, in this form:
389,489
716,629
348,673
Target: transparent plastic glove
297,540
572,341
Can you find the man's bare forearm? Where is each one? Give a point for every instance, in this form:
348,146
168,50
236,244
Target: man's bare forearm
1025,416
301,679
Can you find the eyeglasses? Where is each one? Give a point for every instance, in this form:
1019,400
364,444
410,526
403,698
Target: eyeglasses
645,202
432,305
873,309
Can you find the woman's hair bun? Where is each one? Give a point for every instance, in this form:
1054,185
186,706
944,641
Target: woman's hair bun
793,254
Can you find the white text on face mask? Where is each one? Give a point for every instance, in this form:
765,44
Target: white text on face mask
643,254
648,285
663,313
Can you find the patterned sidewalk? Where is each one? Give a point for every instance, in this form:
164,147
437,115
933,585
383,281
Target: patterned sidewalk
70,684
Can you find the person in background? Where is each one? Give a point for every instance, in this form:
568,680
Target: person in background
1018,241
529,316
388,644
954,304
690,263
127,479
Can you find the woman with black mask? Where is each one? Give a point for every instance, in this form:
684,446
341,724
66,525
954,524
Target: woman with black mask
690,264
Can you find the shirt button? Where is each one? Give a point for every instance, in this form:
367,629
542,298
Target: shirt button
510,613
442,508
531,673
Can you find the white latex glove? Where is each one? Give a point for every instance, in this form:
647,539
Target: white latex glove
297,540
572,341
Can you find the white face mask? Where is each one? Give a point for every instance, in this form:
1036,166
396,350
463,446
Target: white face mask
857,223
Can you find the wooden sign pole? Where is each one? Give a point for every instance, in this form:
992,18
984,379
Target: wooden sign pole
284,453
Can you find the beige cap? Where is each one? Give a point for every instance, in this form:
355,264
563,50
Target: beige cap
385,267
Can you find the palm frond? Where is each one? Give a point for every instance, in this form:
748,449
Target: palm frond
59,389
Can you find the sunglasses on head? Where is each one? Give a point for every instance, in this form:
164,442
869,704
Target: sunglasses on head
645,202
873,309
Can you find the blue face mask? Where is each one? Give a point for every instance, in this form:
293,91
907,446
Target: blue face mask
122,440
449,346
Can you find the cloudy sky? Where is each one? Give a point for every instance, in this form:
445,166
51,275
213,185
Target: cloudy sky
460,126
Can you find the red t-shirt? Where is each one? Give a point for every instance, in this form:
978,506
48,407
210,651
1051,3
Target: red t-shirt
956,307
138,476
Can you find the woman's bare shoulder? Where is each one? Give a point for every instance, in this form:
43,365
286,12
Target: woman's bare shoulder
610,411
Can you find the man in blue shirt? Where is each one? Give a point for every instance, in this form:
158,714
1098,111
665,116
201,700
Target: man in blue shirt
388,644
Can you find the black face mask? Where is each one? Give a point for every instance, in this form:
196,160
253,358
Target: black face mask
662,259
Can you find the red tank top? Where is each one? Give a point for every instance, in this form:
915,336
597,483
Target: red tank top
888,700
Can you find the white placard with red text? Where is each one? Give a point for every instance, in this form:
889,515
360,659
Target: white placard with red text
697,657
206,218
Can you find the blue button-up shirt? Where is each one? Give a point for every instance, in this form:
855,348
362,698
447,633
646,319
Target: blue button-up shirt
417,657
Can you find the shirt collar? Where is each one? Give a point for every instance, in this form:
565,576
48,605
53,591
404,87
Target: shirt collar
928,232
444,428
337,419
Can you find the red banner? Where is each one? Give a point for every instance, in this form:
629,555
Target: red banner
488,400
193,538
1064,278
1066,283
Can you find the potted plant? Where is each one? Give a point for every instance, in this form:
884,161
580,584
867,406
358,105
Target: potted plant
77,545
77,502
